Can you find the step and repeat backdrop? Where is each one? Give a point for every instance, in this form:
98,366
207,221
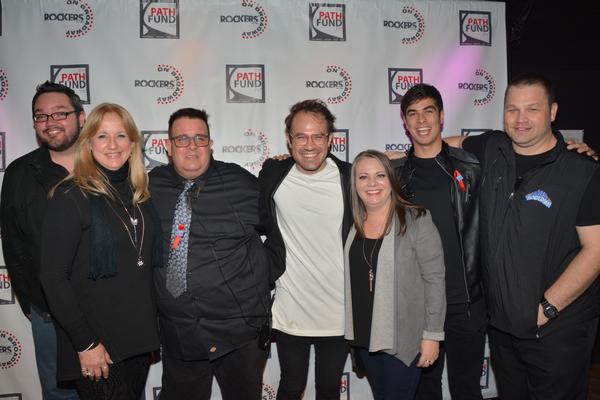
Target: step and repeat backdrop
245,62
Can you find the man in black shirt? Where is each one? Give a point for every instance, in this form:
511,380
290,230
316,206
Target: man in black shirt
57,119
540,248
446,181
212,324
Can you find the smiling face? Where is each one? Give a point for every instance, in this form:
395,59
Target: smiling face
57,135
372,184
111,145
528,118
310,157
192,161
424,122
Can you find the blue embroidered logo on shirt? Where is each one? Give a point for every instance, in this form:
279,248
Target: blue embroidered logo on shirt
541,196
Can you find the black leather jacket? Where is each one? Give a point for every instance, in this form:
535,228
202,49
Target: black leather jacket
465,205
272,174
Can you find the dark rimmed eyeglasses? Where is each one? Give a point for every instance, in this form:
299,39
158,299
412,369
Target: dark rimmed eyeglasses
301,139
184,141
57,116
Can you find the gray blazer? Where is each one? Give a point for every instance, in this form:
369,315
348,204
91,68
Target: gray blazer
410,295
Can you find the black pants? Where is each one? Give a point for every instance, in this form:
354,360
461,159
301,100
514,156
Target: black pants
463,348
555,367
238,373
126,381
294,353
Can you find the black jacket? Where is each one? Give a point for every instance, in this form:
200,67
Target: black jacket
464,203
529,237
25,188
272,174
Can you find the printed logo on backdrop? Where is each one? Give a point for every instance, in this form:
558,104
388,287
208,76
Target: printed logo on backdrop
156,392
398,147
7,296
327,22
485,374
475,28
154,148
2,151
251,19
245,83
339,144
337,84
250,150
3,85
76,77
412,25
159,19
10,350
402,79
484,88
166,84
472,132
11,396
268,393
76,15
345,386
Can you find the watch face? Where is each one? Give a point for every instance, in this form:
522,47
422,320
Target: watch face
550,311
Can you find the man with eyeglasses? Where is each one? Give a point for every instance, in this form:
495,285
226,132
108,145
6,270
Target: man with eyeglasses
57,120
213,294
308,204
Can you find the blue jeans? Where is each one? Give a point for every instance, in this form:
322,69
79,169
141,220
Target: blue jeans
44,339
390,378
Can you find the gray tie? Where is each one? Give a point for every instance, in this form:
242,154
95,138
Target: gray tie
180,236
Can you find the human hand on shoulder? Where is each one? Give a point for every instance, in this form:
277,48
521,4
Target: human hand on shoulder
281,157
581,148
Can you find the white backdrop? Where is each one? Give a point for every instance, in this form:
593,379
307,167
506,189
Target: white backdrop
245,62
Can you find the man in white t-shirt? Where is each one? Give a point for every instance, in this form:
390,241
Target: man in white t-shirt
308,202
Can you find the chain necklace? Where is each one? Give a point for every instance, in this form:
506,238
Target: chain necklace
370,264
134,223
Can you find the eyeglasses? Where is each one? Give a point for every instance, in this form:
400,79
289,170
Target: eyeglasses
57,116
184,141
318,139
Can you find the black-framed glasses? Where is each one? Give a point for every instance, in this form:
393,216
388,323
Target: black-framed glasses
57,116
184,141
301,139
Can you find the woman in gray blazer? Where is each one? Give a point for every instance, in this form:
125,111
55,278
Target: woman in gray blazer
395,289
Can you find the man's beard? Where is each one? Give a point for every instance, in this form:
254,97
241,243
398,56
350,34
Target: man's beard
64,144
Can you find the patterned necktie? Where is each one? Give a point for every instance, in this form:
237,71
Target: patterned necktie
180,235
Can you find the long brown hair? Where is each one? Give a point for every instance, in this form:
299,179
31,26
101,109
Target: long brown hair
86,173
399,202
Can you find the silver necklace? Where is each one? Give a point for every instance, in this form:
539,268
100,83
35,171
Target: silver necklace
134,222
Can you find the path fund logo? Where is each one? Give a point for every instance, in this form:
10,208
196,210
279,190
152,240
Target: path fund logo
166,83
11,396
475,28
345,386
250,150
2,156
252,19
76,77
484,88
159,19
411,25
7,296
402,79
472,132
245,83
10,350
337,82
484,381
327,22
75,15
3,85
339,144
154,148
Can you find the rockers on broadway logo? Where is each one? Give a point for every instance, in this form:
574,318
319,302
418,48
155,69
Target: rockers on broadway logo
250,151
10,350
338,84
167,82
484,89
159,19
76,15
3,85
412,25
250,17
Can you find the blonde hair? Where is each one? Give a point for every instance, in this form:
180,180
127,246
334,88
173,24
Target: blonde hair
87,175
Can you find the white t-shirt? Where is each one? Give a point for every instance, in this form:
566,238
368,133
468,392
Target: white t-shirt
309,296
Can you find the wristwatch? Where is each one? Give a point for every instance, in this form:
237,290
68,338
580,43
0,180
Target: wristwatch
549,310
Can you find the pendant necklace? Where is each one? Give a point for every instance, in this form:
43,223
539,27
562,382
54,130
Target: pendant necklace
134,222
370,264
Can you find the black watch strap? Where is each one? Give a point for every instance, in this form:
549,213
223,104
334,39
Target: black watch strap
549,310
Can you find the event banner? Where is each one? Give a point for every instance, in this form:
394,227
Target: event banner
245,62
